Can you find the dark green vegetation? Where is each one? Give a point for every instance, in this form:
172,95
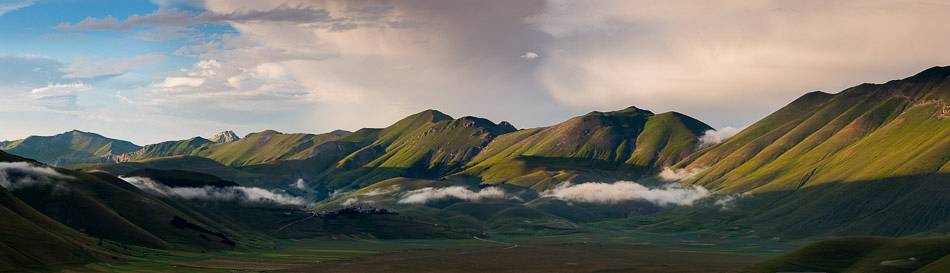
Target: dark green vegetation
58,217
69,147
865,255
179,178
871,160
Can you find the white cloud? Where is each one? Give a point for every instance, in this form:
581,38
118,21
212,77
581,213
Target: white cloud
305,60
673,175
300,184
171,82
53,89
18,175
424,195
7,6
708,57
713,137
59,96
612,193
90,67
728,202
208,193
530,55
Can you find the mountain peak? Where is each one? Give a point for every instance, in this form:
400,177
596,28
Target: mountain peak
433,115
938,73
629,111
340,132
224,137
633,110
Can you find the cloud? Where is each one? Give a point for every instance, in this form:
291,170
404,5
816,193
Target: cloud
529,55
674,175
252,195
707,57
18,175
713,137
29,70
185,18
300,184
171,82
88,67
612,193
424,195
12,5
728,202
59,89
59,96
338,58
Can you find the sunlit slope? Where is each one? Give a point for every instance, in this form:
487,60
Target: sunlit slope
871,160
865,255
167,148
867,132
630,141
266,146
255,148
70,147
427,144
324,156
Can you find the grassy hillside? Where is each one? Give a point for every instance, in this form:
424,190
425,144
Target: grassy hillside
30,239
70,147
324,157
165,149
624,143
865,255
427,144
104,206
178,178
184,163
266,146
872,159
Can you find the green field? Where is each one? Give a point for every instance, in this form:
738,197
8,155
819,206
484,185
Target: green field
606,245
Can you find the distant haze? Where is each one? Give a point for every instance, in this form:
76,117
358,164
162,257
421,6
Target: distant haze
149,71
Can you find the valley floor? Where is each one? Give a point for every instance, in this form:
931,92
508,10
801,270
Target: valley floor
602,251
543,258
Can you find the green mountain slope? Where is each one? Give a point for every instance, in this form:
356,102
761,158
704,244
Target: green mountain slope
104,206
265,146
30,239
872,159
427,144
165,149
865,255
625,143
324,156
184,163
255,148
70,147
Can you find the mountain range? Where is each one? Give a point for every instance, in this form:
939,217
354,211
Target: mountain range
873,159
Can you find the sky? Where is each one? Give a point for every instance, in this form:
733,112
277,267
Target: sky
150,71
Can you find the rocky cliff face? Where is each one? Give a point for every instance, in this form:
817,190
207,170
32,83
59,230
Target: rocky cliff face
224,137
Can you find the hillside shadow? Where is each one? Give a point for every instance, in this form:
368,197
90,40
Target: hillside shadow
896,206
